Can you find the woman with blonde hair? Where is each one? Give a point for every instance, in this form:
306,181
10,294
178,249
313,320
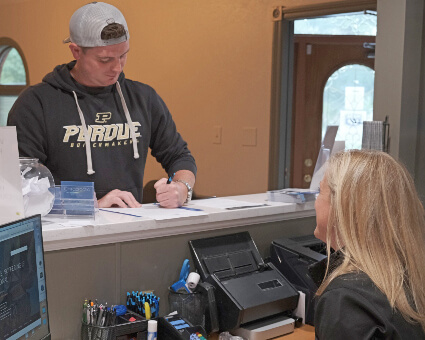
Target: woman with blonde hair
373,285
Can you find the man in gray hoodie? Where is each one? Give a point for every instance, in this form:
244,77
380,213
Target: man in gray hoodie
87,122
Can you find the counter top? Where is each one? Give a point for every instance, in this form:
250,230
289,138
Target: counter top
109,227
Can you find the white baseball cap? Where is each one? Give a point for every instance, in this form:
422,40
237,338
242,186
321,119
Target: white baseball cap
87,23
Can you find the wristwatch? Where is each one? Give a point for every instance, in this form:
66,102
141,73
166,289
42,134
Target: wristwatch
189,190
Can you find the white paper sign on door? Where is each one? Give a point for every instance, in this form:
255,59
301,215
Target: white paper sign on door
11,200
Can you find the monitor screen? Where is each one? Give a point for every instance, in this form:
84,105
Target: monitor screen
23,298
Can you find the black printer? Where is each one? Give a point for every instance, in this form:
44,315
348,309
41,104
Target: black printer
292,257
246,288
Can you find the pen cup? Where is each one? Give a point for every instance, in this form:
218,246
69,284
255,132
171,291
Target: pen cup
191,306
89,332
130,324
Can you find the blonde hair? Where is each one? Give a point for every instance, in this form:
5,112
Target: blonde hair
378,220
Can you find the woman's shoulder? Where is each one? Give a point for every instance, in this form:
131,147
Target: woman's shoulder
357,281
363,306
357,287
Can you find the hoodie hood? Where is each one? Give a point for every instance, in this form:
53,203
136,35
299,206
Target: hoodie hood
61,78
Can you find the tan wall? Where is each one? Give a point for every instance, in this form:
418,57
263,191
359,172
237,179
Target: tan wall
209,60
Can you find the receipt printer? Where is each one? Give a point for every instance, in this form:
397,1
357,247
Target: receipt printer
292,257
246,288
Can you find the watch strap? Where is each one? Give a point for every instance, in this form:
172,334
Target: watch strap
189,190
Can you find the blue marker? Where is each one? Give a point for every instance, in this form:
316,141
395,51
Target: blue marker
118,212
191,209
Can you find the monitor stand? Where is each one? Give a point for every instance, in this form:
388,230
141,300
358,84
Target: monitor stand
264,329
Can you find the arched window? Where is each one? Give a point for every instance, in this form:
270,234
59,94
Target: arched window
347,102
13,76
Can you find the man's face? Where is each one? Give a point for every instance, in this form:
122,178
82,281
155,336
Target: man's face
101,66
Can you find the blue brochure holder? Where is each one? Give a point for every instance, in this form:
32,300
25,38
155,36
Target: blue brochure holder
75,199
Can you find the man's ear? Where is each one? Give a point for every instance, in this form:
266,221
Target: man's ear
75,50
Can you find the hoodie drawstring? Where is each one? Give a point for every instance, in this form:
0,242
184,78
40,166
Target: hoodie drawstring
129,122
90,170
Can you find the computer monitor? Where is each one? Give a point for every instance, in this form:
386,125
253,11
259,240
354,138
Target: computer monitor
23,297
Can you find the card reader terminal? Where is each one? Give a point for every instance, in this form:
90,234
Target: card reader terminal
174,327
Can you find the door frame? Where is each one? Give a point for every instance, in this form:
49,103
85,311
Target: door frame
281,105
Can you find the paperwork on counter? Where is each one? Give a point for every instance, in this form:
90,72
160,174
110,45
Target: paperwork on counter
156,212
224,203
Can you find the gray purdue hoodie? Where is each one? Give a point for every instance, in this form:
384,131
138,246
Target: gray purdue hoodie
58,119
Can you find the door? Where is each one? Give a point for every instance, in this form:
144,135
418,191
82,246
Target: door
316,59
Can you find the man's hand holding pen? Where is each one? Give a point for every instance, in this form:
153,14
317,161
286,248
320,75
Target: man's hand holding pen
170,193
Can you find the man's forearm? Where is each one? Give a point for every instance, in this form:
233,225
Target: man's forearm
186,176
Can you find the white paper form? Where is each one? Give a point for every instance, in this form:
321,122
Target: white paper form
11,199
224,203
156,212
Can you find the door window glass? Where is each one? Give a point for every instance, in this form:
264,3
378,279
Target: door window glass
6,103
363,23
347,102
13,70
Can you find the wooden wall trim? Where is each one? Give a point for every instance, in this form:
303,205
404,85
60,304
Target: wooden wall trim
327,8
11,90
276,85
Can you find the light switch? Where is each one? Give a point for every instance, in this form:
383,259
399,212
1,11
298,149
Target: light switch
217,134
249,136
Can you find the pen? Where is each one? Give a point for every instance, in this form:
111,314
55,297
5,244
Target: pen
85,311
106,322
185,208
99,317
191,209
147,311
170,179
117,212
94,316
102,322
246,206
114,317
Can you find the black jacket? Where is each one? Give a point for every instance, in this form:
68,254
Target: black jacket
49,128
352,307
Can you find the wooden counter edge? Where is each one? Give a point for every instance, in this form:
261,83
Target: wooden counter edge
305,332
